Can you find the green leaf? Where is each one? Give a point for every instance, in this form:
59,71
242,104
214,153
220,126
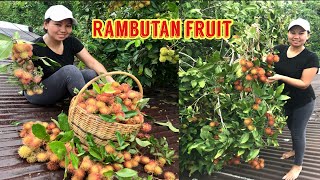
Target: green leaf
279,90
108,174
74,160
107,118
5,48
148,72
5,38
194,83
63,122
253,153
119,138
40,132
129,44
137,42
125,173
15,123
283,97
96,88
16,35
143,143
58,148
90,140
67,136
4,67
149,46
130,114
142,103
202,83
50,63
244,138
95,153
168,124
219,153
240,152
107,88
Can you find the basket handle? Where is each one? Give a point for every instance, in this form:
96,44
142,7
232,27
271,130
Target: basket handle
108,74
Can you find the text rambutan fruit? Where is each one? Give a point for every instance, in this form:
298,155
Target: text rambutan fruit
24,151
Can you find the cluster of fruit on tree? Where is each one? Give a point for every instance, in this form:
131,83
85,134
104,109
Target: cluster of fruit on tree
136,5
122,99
28,76
167,54
37,150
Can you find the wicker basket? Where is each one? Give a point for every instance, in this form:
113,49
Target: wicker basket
82,122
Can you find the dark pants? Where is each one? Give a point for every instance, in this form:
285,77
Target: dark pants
297,123
61,85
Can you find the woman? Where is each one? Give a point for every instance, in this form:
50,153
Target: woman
59,82
297,68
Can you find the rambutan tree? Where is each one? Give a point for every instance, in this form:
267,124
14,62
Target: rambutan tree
228,112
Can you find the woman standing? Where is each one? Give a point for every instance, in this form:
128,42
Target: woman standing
296,69
60,46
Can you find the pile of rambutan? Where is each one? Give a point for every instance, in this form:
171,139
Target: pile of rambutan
38,150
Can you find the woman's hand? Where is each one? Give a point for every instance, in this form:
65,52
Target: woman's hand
274,78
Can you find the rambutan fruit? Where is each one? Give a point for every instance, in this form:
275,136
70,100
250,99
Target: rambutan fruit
117,166
161,161
32,158
169,175
25,151
137,158
116,108
134,163
18,72
100,104
109,149
54,158
51,126
146,127
157,170
91,108
126,156
105,110
23,133
148,168
42,157
86,164
52,166
95,168
94,176
144,160
128,164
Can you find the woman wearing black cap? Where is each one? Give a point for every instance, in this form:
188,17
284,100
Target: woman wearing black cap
59,82
296,69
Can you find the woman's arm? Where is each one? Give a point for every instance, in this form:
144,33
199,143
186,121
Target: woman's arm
92,63
302,83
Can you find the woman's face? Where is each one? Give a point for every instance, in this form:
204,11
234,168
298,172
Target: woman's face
59,30
297,36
